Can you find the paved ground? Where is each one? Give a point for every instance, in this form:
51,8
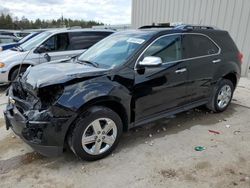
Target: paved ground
158,155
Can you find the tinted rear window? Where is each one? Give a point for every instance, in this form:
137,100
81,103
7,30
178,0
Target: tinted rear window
224,40
198,45
84,40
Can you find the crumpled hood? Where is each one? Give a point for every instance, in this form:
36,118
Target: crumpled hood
59,72
8,56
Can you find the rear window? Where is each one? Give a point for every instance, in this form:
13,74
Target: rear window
84,40
225,41
195,45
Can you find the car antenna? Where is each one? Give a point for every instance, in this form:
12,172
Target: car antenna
19,69
20,66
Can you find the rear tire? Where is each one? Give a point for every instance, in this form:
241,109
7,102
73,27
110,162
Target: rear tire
96,133
221,96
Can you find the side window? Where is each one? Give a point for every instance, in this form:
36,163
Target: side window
62,42
84,40
50,44
198,45
59,42
167,48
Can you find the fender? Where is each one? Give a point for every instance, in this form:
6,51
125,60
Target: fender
17,64
222,71
78,96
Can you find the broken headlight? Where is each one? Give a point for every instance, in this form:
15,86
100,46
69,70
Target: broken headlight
49,95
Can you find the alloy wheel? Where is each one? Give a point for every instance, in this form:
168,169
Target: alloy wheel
99,136
224,96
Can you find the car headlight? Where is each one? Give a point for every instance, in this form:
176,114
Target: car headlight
2,65
1,49
50,94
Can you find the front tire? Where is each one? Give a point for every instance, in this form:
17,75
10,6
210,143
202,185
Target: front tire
96,133
221,96
16,72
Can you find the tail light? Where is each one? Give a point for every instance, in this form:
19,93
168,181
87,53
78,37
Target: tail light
240,57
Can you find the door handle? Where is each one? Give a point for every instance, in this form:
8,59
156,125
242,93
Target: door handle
180,70
216,61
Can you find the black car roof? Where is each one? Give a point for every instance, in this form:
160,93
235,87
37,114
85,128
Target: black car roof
171,30
168,28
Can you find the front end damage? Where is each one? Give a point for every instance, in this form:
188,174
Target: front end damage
34,115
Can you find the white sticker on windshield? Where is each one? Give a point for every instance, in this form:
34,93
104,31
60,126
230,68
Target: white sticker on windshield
135,40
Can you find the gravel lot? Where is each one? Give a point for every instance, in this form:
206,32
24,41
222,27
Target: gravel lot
157,155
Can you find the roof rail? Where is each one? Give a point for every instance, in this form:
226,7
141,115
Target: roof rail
158,25
193,27
177,25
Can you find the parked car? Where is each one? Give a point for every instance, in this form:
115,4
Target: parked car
18,43
47,46
14,33
129,79
22,34
4,39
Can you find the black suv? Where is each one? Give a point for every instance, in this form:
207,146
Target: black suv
129,79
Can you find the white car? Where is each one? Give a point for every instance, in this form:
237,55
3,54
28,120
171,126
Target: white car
47,46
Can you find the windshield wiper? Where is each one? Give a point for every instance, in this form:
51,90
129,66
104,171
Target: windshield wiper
94,64
14,49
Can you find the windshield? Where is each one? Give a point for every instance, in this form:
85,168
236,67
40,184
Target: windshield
26,38
115,49
35,41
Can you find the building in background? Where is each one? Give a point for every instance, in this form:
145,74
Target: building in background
231,15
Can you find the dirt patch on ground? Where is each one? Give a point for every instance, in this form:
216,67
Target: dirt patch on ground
202,165
18,161
170,173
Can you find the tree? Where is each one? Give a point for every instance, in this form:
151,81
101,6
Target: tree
6,22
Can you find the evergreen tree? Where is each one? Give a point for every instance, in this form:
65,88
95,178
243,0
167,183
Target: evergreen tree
6,22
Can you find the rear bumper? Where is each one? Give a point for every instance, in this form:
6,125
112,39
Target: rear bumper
30,132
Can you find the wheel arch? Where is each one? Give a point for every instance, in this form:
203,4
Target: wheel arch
107,101
17,66
110,102
232,77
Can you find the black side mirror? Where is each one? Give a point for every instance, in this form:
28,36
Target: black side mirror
47,57
41,49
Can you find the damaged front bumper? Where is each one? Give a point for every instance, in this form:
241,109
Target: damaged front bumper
44,131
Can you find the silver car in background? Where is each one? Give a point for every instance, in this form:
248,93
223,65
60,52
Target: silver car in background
48,46
5,39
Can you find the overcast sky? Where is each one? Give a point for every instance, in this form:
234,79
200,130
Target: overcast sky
106,11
